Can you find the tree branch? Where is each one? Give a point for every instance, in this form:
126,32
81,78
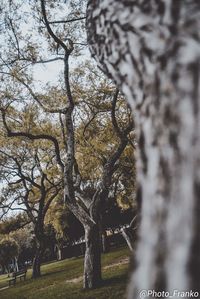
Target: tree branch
67,21
33,137
52,34
114,121
35,97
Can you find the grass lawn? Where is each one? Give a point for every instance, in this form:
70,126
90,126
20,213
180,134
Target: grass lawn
54,282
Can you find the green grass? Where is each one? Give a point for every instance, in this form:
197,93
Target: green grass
53,282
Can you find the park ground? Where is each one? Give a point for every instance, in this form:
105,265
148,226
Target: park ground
63,280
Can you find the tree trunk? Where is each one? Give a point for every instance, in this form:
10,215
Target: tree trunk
152,49
3,269
59,254
36,264
104,242
37,258
92,262
127,238
8,270
103,236
15,264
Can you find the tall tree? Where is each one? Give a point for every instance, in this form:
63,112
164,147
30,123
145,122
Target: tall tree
60,104
151,49
31,187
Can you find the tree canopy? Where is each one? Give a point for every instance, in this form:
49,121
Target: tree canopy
66,135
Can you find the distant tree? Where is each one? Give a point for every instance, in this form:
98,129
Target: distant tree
31,187
50,242
8,250
13,223
24,237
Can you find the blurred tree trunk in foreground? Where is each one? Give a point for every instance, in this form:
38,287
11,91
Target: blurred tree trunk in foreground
151,50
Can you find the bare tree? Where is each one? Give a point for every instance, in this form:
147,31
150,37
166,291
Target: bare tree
151,49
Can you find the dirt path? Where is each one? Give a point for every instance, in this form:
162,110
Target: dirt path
4,288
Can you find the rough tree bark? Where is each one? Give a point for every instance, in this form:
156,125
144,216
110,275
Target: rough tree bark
37,262
92,260
151,49
40,246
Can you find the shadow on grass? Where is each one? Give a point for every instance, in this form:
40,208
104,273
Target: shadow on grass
109,282
52,273
114,280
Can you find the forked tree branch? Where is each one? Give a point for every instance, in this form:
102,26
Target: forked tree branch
52,34
30,136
